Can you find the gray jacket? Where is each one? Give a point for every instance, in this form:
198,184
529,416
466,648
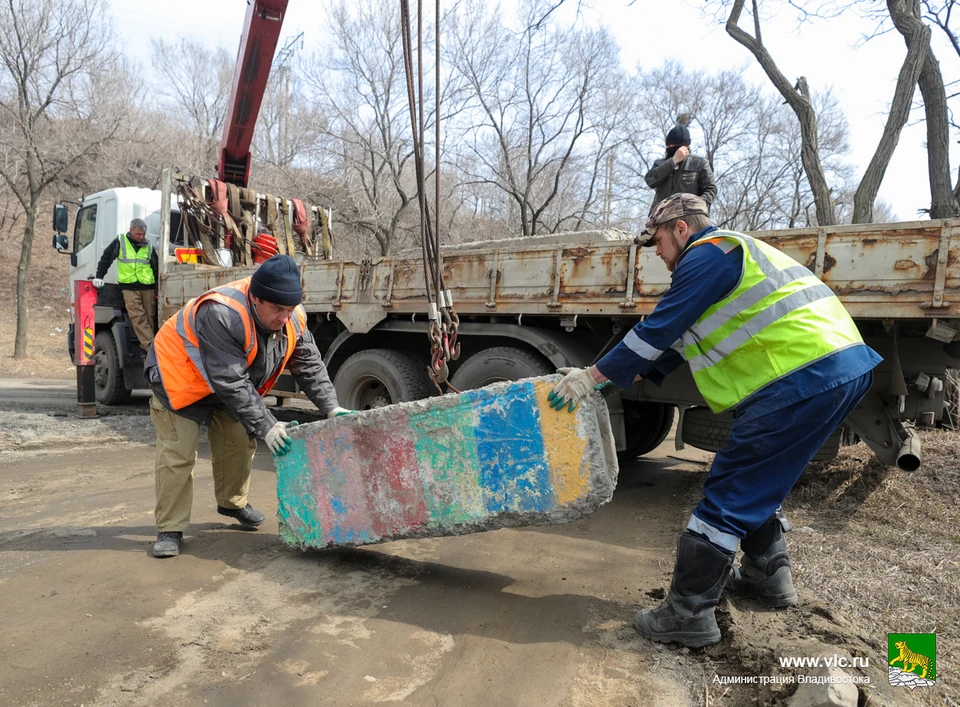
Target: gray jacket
692,176
220,332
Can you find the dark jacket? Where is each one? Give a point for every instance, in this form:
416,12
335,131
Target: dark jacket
222,340
692,176
111,252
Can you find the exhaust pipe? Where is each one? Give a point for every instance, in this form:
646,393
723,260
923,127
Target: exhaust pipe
908,456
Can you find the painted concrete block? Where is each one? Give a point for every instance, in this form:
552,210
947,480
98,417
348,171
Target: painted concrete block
487,459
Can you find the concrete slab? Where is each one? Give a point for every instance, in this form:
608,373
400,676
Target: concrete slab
490,458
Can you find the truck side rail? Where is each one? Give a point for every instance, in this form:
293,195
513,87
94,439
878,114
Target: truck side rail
879,271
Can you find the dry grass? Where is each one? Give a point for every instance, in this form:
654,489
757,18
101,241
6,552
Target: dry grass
882,547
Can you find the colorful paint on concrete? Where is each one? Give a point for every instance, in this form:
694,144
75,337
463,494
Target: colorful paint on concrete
486,459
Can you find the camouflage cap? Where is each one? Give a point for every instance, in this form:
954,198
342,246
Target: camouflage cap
674,206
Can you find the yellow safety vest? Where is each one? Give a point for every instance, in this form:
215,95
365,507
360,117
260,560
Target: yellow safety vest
133,262
778,319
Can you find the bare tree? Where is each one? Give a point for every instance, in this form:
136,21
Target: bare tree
906,17
52,52
915,67
366,147
942,15
194,82
798,97
751,140
289,122
526,111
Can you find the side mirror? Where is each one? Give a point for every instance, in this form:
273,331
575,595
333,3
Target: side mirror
61,218
61,243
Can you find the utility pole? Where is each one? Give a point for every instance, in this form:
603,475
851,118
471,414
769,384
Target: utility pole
608,189
283,67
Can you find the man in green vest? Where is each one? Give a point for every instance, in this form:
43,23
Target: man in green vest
136,277
768,340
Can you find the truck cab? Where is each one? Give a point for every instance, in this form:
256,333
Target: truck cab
101,217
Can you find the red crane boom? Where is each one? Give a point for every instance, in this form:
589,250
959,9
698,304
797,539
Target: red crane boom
261,32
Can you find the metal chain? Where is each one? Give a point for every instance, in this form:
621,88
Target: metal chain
443,329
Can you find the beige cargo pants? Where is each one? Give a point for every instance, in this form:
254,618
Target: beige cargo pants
141,307
232,453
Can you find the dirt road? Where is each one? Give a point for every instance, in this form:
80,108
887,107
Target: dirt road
537,616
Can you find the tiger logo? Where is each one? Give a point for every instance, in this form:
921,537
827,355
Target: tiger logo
910,660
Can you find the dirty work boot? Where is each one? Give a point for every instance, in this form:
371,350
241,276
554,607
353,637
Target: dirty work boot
248,515
764,572
686,615
168,544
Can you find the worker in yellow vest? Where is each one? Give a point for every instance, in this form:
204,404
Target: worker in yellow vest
210,365
767,339
136,277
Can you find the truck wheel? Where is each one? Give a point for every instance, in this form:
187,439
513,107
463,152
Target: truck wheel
646,425
379,377
499,364
704,430
108,385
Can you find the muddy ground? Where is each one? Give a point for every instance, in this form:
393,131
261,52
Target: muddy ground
533,616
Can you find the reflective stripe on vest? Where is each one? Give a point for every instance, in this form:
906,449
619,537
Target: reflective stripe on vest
133,264
779,318
178,349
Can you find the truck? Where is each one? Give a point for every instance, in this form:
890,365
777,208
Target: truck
528,306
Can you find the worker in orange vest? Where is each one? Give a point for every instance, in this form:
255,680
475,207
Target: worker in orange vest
211,364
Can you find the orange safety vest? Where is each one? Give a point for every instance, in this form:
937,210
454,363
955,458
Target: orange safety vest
178,349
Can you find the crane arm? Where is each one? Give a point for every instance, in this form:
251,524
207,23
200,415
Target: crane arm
261,32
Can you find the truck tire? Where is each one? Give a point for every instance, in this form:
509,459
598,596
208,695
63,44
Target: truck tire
379,377
109,387
704,430
646,425
499,364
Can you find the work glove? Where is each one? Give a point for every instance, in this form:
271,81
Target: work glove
277,438
97,282
339,412
576,384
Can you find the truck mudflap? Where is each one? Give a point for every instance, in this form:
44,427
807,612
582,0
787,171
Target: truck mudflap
131,355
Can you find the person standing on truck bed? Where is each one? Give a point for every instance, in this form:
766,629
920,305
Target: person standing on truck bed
680,172
210,365
767,339
136,277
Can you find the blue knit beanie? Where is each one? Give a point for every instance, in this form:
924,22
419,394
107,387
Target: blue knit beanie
277,280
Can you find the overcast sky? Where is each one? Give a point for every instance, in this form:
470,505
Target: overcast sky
831,53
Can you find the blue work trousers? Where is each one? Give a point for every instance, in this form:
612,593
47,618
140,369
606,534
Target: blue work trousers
763,459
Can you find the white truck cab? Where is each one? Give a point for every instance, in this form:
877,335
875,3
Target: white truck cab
100,219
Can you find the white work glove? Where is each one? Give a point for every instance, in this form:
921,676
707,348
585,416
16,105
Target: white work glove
97,282
339,411
277,438
576,384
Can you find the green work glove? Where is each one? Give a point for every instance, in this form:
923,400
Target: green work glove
576,384
339,412
277,438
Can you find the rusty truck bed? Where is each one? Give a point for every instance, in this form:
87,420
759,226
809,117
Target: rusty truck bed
880,271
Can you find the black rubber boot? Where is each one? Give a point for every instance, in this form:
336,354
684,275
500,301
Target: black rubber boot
764,571
686,616
168,544
248,515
